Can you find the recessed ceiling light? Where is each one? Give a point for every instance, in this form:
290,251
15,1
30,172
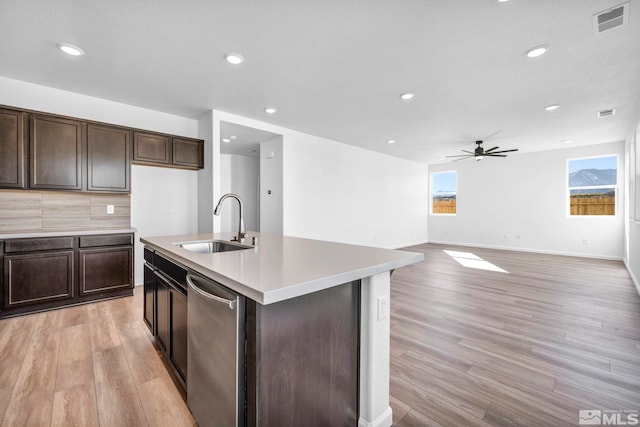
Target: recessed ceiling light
502,1
270,110
552,107
234,58
226,140
566,141
407,96
391,141
70,49
534,52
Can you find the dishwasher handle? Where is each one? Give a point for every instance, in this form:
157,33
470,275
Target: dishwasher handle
230,303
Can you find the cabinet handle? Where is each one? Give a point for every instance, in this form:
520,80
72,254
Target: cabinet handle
230,303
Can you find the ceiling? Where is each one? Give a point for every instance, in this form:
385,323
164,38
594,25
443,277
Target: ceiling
336,68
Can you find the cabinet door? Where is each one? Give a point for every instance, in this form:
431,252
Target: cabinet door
23,278
149,298
55,153
108,159
178,328
151,148
105,269
162,311
188,152
12,148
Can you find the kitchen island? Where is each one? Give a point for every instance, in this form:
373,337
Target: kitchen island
315,323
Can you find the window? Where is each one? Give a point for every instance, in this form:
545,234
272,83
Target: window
592,185
443,192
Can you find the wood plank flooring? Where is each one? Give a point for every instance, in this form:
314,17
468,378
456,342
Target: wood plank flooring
89,365
527,347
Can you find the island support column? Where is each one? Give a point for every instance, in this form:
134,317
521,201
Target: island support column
374,351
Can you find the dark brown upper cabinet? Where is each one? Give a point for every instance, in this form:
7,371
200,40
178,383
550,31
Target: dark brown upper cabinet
188,152
168,151
149,148
55,153
13,149
108,159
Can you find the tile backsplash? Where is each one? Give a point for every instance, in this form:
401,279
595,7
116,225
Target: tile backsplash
34,211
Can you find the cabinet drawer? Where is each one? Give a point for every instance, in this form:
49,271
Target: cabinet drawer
148,255
106,240
41,244
171,269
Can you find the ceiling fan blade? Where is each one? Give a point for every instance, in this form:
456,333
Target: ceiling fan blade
491,149
470,152
495,155
504,151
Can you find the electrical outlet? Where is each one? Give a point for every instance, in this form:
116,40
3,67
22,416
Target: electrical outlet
111,209
170,210
383,307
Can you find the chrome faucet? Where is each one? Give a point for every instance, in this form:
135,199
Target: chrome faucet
242,231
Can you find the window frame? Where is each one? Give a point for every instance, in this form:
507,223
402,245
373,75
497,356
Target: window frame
615,187
431,193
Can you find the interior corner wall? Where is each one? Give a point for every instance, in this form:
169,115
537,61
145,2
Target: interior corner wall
337,192
239,175
205,175
632,256
271,186
520,203
153,189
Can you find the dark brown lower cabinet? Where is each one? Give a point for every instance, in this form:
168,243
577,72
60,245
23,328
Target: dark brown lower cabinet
302,359
51,272
149,298
37,277
162,311
166,311
301,356
178,330
105,269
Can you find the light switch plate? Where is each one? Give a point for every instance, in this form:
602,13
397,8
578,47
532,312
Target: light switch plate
111,209
383,307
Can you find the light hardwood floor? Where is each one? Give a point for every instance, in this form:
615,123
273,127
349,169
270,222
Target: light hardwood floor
529,347
90,365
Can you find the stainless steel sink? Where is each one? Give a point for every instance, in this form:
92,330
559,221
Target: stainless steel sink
212,246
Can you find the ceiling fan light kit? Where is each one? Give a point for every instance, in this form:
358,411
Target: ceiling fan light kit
480,153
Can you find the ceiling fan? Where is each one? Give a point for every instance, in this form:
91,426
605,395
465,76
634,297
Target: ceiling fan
479,153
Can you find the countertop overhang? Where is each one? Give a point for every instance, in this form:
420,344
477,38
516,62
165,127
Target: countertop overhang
39,234
279,267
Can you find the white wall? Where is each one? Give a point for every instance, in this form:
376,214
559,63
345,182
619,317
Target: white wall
347,194
271,186
632,255
239,175
152,188
333,191
525,195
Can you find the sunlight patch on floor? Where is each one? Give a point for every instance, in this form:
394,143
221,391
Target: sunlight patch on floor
470,260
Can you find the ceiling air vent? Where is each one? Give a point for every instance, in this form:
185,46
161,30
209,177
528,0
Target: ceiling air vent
605,113
611,18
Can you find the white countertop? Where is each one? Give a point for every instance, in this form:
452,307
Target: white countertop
36,234
280,267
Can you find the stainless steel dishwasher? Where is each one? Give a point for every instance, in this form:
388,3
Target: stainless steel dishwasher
215,378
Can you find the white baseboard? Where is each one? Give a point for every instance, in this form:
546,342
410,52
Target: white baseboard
536,251
634,279
384,420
